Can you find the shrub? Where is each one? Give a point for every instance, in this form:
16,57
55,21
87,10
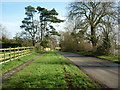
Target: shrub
38,47
12,45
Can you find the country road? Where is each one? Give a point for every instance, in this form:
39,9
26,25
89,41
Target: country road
102,71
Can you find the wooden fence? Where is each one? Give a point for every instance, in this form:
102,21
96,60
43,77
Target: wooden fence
13,53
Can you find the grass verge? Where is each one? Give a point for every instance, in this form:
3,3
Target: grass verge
110,58
50,71
14,63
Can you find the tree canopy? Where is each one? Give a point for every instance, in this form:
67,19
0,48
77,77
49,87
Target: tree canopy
91,15
39,29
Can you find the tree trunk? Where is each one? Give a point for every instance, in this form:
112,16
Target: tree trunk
93,37
41,28
41,33
33,41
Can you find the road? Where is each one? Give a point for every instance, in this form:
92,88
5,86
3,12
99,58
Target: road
102,71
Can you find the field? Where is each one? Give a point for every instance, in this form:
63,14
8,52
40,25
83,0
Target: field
14,63
50,71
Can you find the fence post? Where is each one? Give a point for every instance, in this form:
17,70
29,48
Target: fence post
14,53
4,54
18,51
28,50
24,51
10,53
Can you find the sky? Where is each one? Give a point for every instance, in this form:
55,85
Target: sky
14,12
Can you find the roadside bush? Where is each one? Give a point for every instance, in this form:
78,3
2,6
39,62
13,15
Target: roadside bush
38,47
12,45
44,43
102,50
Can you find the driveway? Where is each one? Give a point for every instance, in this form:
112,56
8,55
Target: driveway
102,71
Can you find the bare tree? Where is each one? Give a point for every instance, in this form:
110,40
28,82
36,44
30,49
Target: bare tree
4,37
91,14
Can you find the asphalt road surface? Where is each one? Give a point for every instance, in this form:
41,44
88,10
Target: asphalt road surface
102,71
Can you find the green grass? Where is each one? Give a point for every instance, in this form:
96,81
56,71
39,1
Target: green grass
50,71
14,63
111,58
85,53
